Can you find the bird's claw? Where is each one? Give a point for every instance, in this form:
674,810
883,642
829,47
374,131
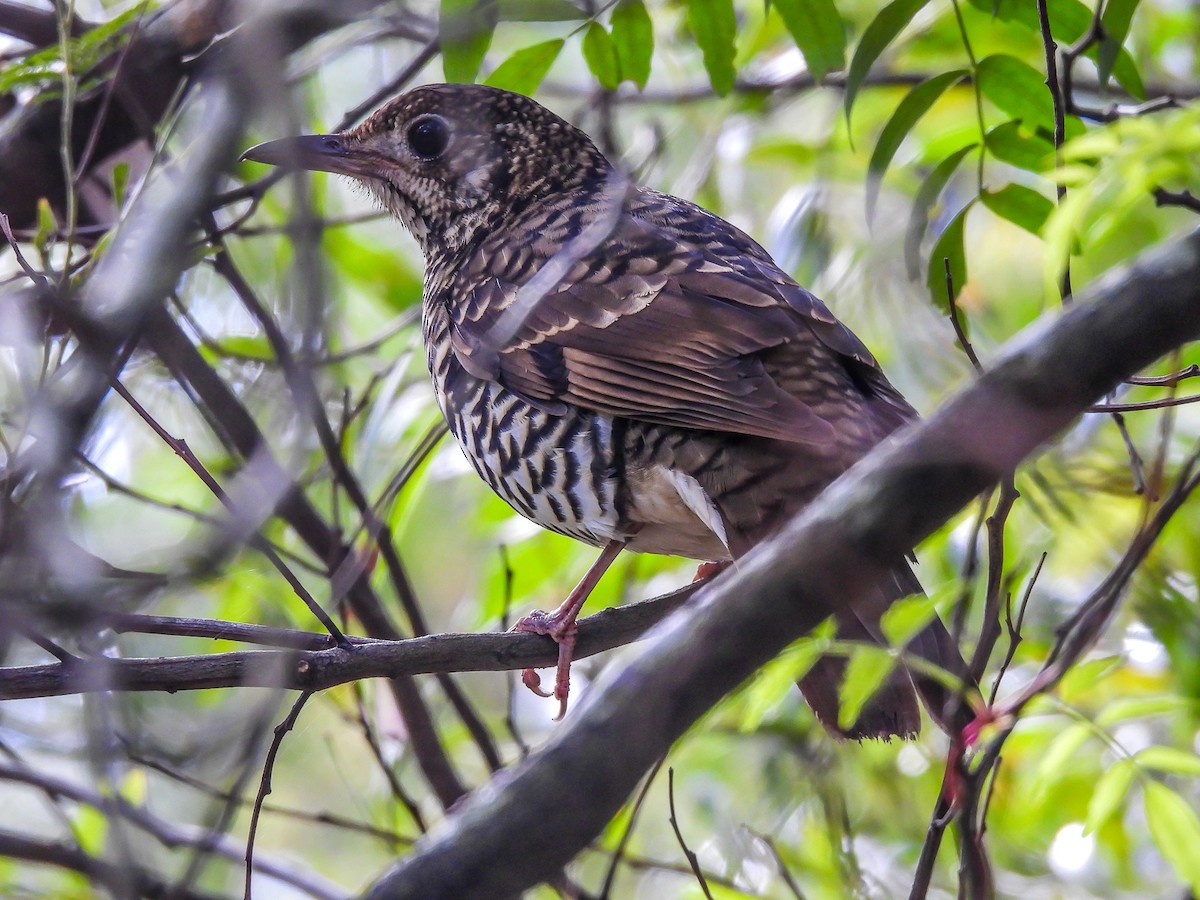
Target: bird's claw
562,633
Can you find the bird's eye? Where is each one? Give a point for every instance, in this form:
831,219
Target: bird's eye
428,136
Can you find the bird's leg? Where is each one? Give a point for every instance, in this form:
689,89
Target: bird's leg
561,626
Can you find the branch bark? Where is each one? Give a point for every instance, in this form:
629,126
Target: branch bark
527,823
317,670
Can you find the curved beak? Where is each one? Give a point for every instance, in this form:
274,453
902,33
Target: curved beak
318,153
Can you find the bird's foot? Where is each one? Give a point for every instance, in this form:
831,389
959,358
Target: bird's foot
562,629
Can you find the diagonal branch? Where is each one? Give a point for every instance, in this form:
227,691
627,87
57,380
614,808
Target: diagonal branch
526,825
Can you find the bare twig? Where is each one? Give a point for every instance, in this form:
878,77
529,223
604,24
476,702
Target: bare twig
691,857
264,787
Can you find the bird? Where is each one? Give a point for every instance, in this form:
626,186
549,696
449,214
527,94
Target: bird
623,366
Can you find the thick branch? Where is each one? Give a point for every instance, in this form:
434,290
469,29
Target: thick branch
559,798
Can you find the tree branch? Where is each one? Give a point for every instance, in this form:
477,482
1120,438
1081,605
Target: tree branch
320,669
525,825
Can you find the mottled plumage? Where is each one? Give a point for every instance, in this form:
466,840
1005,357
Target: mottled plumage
620,365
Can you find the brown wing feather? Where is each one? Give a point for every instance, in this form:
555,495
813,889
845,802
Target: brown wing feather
677,327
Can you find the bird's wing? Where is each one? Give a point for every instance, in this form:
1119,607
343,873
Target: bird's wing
656,325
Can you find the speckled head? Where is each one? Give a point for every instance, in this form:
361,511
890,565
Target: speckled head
451,160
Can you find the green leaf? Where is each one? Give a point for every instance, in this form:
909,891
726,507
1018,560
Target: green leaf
949,246
927,195
1022,206
47,225
1059,756
464,34
818,31
601,56
1109,794
246,347
906,617
45,68
633,36
1026,149
777,680
1069,21
914,105
1017,88
715,27
1117,17
539,11
865,672
1126,708
1175,830
881,32
1169,759
120,180
524,70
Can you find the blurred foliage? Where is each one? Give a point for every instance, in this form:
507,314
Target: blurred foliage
872,150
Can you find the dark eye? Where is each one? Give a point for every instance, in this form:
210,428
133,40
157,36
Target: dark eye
428,136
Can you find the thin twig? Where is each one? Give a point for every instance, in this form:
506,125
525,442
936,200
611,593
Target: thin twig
693,860
264,786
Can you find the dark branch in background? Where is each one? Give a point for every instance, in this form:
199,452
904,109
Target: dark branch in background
165,833
521,829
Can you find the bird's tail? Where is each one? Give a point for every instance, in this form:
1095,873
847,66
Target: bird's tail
894,710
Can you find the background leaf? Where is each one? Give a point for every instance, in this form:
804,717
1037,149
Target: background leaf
1020,205
914,105
633,37
715,27
601,56
926,197
949,246
524,70
465,30
818,31
879,34
1176,831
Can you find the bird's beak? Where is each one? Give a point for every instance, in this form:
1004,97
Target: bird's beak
318,153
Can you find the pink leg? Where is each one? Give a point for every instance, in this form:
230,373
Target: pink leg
561,626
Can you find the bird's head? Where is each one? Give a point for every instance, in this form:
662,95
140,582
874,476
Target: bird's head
451,161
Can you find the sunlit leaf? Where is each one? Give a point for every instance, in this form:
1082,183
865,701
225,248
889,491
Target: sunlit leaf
1169,759
1109,794
1175,830
715,27
905,618
1124,708
1059,758
633,36
878,35
927,195
914,105
866,671
464,34
601,56
1022,206
524,70
818,31
777,679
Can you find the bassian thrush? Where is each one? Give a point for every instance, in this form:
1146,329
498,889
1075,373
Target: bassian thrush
620,365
